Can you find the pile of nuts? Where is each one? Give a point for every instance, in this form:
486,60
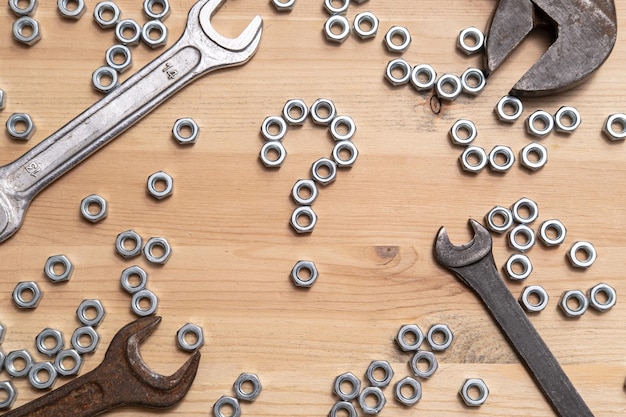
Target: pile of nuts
521,237
347,386
324,170
128,33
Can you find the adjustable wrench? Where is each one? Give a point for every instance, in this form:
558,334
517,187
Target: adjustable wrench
473,265
122,379
585,32
199,51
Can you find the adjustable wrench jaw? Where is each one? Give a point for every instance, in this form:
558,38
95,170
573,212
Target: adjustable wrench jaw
585,33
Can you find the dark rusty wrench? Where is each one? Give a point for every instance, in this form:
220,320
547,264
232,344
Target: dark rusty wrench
473,264
122,379
585,32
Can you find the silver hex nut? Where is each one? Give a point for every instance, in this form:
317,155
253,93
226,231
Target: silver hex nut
195,331
11,395
352,381
154,257
31,35
3,332
66,268
581,301
20,297
337,28
16,131
3,99
615,127
474,383
180,128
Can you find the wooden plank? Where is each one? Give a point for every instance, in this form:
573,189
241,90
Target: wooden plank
228,218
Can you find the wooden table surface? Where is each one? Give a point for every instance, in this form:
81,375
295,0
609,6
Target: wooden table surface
228,219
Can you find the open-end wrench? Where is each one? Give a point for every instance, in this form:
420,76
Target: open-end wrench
122,379
199,50
473,264
585,32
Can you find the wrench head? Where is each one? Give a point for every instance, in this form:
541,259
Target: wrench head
248,39
453,256
135,380
585,33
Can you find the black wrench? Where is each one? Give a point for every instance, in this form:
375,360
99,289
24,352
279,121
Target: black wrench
473,264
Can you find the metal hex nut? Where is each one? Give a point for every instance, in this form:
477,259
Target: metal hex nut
243,394
46,368
284,5
190,328
177,131
401,339
74,13
618,119
65,274
12,124
597,303
163,178
45,335
337,21
583,303
414,397
157,242
301,281
84,307
19,34
25,287
94,339
380,400
543,117
365,32
154,26
120,244
59,362
483,392
387,373
3,99
94,200
11,395
352,380
21,9
3,332
24,356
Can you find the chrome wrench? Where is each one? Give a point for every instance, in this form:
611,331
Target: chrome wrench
199,51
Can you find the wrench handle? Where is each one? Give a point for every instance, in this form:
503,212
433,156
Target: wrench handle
85,396
105,120
483,278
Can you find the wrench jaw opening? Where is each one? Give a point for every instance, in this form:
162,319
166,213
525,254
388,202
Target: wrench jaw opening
218,51
148,388
452,256
584,33
249,37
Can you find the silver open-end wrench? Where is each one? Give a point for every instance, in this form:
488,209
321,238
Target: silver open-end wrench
473,265
199,51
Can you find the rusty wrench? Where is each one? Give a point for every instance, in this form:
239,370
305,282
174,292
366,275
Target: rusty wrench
122,379
473,264
585,32
199,50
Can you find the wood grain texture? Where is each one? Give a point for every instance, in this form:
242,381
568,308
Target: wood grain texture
228,218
